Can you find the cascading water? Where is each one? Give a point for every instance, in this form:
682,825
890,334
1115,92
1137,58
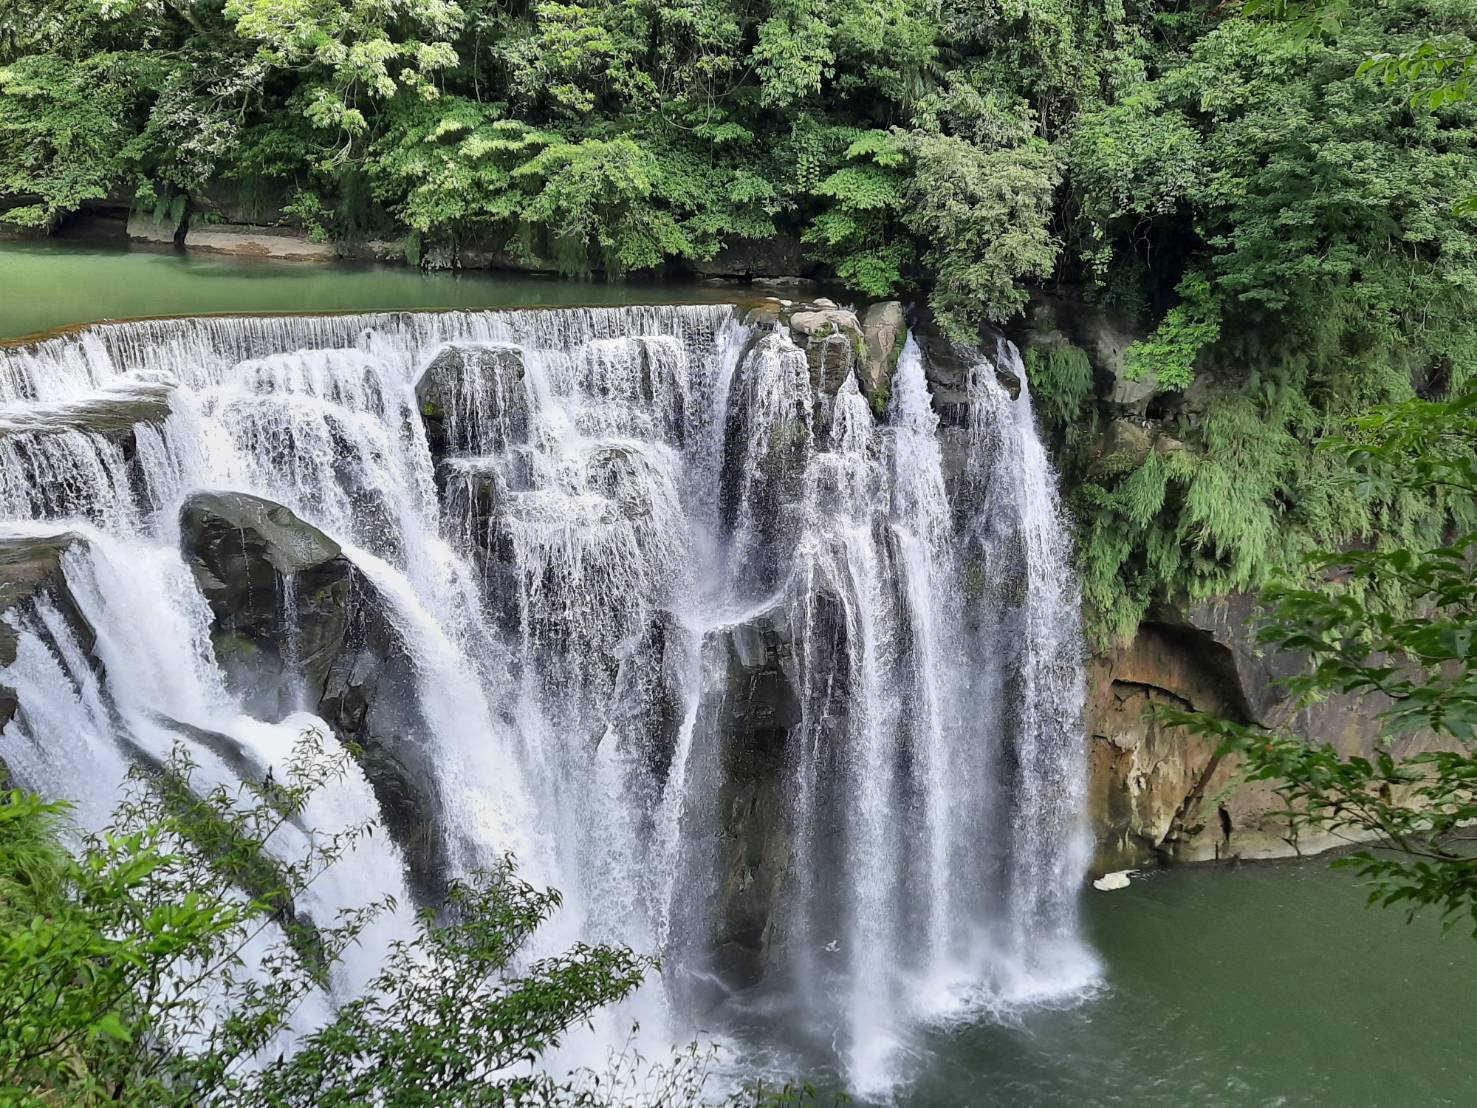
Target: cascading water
647,569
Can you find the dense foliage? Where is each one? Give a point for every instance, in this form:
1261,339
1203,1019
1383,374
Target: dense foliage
1285,217
164,963
1415,792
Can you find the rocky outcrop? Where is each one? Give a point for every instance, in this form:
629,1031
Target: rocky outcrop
147,227
831,337
277,587
1125,443
758,706
1105,334
1159,795
295,624
884,330
836,342
113,413
31,568
949,364
473,397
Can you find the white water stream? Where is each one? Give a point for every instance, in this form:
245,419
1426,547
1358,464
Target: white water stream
625,494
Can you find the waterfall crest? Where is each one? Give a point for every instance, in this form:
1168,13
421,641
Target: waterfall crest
761,678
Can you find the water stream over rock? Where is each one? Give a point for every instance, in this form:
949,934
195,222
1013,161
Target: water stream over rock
774,678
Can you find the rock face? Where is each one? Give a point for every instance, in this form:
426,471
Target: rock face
836,343
1158,796
832,340
777,256
758,706
296,624
113,413
31,568
144,227
1105,334
276,586
949,365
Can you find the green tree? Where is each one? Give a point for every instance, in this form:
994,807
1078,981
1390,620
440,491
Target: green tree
142,968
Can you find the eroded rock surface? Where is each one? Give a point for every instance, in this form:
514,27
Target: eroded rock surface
1158,795
884,330
472,398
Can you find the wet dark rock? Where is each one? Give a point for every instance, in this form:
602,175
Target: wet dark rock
832,340
760,702
949,363
758,707
648,708
447,391
296,624
30,569
112,413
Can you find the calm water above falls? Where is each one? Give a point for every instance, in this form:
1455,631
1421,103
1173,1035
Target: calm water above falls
57,284
1255,986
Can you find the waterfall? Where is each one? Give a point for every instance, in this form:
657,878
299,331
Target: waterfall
762,680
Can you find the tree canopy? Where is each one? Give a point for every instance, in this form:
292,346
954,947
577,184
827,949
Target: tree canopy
1282,210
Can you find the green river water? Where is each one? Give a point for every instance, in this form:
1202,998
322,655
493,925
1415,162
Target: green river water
1264,984
49,285
1257,985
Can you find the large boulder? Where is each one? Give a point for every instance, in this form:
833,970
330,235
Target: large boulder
473,399
831,337
279,588
295,624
